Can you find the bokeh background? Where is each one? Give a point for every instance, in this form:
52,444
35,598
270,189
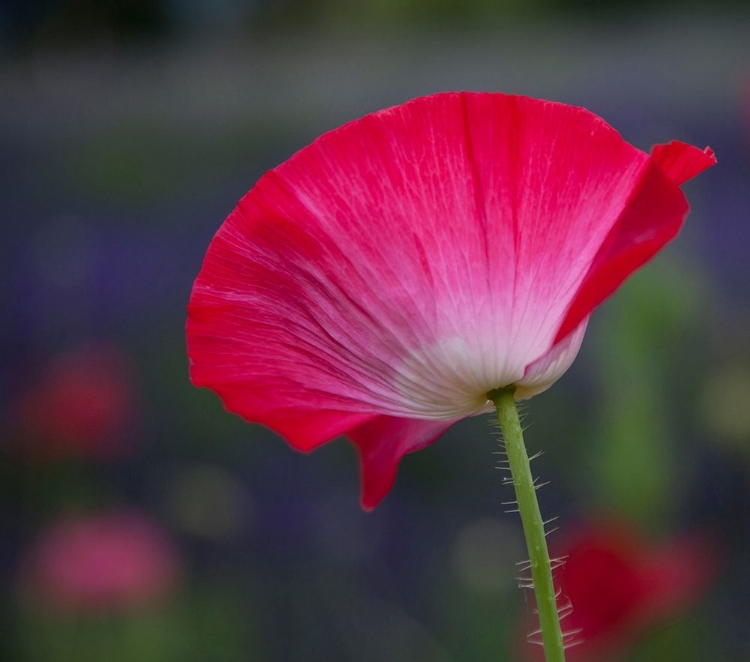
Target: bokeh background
141,522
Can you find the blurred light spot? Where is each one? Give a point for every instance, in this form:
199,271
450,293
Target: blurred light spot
484,554
727,404
208,502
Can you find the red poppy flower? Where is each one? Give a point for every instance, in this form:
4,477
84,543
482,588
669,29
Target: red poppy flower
382,280
614,584
114,560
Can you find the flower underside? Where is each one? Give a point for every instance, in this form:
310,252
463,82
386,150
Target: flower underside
384,279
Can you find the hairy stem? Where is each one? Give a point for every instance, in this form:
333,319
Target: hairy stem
533,525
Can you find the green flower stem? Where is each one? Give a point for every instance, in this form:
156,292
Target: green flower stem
533,525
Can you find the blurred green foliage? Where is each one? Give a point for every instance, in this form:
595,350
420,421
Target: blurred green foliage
646,350
208,622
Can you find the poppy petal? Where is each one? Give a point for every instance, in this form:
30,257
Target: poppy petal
381,443
545,371
653,217
681,162
304,429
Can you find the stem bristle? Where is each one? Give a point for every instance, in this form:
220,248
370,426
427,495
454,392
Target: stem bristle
540,565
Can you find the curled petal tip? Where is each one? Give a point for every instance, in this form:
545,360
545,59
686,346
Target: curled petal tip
681,162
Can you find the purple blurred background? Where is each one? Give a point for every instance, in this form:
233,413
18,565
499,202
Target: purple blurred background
142,522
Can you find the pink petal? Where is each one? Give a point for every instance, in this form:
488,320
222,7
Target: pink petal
546,370
382,443
305,429
653,216
681,162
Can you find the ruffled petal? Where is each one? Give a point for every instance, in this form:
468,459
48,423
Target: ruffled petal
653,216
305,429
681,162
381,443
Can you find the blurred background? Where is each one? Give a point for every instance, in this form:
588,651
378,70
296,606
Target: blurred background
141,522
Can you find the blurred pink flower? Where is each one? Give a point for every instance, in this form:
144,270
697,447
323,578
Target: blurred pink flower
614,585
82,405
96,562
